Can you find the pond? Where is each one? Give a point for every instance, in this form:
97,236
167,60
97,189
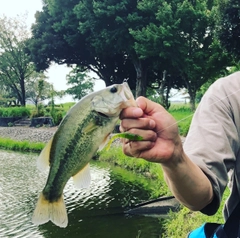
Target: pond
94,212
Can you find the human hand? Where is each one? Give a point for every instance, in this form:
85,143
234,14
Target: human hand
161,142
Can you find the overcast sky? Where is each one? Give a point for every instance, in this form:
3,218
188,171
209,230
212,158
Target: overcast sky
12,8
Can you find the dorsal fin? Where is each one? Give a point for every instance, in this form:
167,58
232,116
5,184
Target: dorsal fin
43,160
83,178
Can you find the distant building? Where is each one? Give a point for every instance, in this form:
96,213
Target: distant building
179,96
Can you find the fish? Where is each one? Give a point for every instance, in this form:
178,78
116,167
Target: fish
84,130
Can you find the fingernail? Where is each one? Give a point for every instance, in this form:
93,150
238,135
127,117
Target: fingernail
152,124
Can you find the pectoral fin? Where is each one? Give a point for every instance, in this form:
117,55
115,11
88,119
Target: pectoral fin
90,127
104,142
83,178
43,158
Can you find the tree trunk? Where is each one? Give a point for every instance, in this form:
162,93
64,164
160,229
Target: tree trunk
161,89
141,78
23,93
192,95
164,90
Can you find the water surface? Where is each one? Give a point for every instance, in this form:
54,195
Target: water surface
94,212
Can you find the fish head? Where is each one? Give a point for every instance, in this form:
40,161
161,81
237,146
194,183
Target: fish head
111,100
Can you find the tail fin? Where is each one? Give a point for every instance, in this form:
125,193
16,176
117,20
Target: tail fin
54,211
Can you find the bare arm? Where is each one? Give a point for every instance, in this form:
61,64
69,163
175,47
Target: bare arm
162,144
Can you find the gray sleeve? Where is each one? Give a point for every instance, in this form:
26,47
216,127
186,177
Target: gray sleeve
213,140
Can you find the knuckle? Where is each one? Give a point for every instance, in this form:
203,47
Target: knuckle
124,124
134,131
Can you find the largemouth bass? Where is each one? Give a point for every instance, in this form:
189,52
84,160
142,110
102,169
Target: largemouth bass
84,130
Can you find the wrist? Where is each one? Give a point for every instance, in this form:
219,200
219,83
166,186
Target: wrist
178,156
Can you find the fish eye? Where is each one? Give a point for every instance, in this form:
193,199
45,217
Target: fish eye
113,89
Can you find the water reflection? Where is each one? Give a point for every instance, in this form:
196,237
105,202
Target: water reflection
93,212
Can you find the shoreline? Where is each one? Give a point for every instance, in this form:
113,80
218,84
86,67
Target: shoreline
31,134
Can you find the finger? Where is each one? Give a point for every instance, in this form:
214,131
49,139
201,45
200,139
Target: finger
131,112
148,138
140,123
136,148
147,135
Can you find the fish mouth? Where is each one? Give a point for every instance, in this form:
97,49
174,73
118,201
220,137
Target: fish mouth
102,114
110,104
127,96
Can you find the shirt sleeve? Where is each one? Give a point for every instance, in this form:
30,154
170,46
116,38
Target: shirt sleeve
213,140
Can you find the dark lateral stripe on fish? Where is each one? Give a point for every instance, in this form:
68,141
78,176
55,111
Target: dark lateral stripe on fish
75,140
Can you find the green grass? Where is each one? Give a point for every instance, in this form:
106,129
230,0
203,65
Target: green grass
181,223
151,171
183,115
23,146
68,105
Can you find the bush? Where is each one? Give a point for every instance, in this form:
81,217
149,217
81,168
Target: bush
57,116
38,112
14,112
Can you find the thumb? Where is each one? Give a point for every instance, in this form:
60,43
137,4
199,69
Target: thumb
148,106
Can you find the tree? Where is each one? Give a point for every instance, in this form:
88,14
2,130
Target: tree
108,25
81,83
94,35
37,88
229,26
135,40
6,97
15,65
59,24
183,35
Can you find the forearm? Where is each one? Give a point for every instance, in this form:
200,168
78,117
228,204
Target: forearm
188,183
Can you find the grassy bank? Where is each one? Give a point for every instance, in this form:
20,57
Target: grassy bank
151,171
23,146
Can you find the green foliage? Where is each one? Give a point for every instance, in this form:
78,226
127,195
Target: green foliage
182,36
14,112
24,146
133,40
38,112
57,112
57,116
59,22
81,83
37,88
15,65
229,26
